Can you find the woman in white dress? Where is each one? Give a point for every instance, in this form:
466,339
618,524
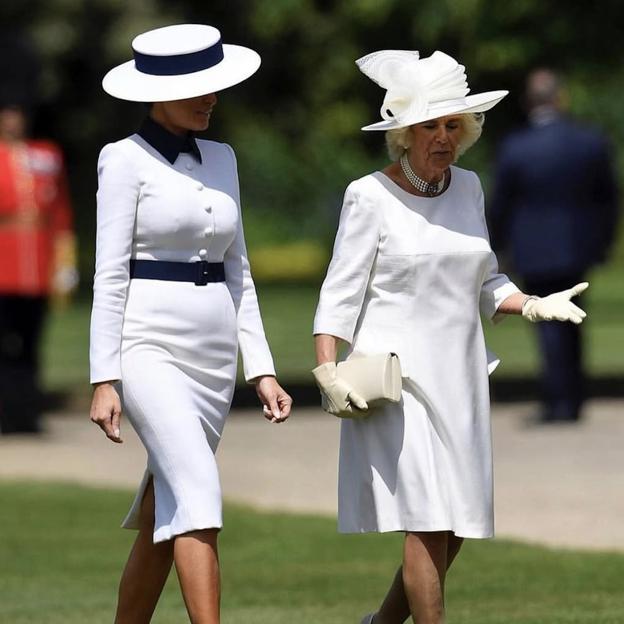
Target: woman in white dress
412,269
173,300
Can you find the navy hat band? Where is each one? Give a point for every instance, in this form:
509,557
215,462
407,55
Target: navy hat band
178,64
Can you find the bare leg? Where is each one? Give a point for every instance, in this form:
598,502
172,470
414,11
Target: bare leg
424,571
197,565
146,570
454,544
395,607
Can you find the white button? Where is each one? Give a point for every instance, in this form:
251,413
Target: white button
208,231
200,187
189,166
203,253
208,209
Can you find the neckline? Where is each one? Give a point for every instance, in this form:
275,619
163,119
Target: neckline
167,144
386,179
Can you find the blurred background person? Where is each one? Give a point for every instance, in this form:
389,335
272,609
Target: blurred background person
554,209
37,258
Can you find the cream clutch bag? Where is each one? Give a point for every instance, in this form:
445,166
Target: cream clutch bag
376,378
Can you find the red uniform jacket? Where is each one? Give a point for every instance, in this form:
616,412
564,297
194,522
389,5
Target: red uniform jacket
34,210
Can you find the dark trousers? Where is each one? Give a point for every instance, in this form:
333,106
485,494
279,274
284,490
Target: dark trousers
563,381
21,322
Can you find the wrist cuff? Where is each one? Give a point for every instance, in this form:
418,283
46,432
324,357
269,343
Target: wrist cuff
529,298
324,374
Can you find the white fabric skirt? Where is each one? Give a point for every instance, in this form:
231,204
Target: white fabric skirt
179,351
410,466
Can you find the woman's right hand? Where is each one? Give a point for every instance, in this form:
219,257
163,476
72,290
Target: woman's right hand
340,399
338,396
106,410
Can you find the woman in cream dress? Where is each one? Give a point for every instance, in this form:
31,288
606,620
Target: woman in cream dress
173,301
412,269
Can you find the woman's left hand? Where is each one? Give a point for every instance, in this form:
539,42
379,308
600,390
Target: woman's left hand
275,400
555,307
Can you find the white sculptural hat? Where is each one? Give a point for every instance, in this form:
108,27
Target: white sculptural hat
421,89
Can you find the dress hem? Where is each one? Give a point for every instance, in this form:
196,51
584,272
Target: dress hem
164,536
169,531
393,528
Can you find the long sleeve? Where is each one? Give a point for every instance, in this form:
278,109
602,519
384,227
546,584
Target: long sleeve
117,197
496,286
257,359
355,248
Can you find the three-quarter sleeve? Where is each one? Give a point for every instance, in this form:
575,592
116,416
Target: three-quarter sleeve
117,196
257,359
496,286
355,248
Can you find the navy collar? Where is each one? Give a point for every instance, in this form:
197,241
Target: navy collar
169,145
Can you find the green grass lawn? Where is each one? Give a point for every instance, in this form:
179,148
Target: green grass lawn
61,555
288,312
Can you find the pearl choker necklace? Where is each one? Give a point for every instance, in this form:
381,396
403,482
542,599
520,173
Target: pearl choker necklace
428,189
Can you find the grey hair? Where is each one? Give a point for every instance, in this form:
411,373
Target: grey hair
397,141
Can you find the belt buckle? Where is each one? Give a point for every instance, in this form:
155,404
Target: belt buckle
201,276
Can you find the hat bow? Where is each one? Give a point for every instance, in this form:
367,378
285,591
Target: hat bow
412,83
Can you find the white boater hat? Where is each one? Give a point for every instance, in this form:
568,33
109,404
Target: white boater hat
421,89
178,62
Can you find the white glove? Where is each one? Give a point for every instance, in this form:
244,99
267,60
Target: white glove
338,396
555,307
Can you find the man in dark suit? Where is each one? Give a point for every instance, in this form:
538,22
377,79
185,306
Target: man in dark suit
554,210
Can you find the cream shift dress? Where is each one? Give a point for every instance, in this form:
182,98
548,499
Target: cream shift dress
411,275
173,345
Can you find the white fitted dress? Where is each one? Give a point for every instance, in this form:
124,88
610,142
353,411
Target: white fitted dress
173,345
411,274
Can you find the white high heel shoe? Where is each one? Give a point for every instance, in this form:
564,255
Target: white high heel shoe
368,619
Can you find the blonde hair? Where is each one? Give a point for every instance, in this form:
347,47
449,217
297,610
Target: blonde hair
397,141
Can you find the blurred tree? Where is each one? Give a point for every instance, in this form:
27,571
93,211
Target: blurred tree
295,124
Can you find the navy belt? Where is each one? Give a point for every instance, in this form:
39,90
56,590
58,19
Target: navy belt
200,273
